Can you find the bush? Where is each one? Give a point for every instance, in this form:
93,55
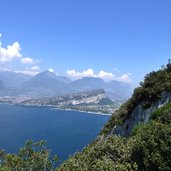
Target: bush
33,156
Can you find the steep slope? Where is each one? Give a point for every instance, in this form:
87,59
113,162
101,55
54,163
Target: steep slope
144,123
152,93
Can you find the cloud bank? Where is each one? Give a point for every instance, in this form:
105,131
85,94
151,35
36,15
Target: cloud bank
107,76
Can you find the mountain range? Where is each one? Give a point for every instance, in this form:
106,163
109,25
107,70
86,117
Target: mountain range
46,84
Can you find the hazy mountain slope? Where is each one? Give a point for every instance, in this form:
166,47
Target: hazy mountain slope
114,89
45,79
45,84
148,147
12,79
63,79
118,90
88,83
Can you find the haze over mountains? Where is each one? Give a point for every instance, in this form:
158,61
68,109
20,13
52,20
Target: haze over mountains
46,84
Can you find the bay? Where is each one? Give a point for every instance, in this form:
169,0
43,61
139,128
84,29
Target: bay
66,132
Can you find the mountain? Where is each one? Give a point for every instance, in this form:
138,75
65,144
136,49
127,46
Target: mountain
45,79
63,79
45,84
12,79
137,136
118,90
94,100
114,89
88,83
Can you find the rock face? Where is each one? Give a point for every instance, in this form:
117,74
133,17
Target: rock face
140,115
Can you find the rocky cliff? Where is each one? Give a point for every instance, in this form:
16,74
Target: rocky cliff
140,115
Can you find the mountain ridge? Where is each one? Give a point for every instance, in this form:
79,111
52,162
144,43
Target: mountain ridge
47,84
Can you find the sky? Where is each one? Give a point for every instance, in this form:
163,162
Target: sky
114,40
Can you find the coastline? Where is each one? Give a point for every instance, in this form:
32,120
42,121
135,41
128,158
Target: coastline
58,108
82,111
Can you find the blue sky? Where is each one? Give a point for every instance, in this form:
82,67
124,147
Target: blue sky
120,40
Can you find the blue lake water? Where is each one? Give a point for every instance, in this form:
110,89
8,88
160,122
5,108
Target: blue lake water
65,131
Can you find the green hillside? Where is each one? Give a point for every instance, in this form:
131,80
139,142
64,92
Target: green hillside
149,145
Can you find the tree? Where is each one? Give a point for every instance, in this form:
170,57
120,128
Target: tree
33,156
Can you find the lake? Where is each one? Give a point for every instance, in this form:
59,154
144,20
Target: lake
65,131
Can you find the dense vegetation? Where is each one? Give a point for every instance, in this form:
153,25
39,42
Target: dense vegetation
34,156
148,147
155,83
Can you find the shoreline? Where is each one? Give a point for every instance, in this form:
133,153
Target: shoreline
58,108
82,111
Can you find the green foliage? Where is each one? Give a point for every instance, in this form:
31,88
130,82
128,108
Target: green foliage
34,156
159,112
111,154
149,91
149,148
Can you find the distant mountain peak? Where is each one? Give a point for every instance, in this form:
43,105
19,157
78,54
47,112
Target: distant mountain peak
47,73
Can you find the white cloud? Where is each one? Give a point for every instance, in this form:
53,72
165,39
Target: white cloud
85,73
107,76
28,60
28,72
51,70
35,68
125,78
10,52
